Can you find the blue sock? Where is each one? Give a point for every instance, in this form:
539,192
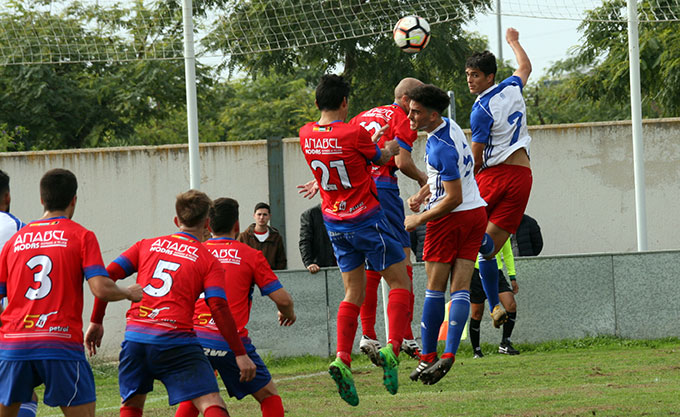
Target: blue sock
487,246
458,315
488,272
433,316
29,409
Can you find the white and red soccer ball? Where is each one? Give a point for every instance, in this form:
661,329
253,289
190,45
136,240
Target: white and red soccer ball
411,33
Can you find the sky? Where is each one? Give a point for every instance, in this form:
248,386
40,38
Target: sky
544,40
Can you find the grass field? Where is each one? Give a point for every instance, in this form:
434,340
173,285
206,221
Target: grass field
600,376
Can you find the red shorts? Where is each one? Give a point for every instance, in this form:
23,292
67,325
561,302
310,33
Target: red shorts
456,235
506,189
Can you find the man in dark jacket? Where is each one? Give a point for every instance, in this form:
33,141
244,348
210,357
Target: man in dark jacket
265,238
528,238
315,246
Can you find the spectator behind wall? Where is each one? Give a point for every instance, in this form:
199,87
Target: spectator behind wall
528,240
316,250
265,238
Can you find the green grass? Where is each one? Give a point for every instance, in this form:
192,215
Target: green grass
601,376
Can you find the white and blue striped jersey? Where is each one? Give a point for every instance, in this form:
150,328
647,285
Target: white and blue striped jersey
498,120
9,225
448,158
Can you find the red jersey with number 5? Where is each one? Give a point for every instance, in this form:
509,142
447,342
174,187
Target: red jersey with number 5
172,271
399,129
340,157
41,271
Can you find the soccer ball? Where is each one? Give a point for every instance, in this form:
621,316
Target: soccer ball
411,33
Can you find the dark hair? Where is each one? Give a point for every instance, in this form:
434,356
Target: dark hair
262,206
483,61
223,215
431,97
4,182
192,207
57,189
330,92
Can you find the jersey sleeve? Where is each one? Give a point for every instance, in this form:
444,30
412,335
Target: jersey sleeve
3,271
265,279
126,264
404,135
93,265
366,146
480,124
512,80
445,160
213,281
508,257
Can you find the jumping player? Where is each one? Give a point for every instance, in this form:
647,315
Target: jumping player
244,268
339,155
160,342
456,219
42,268
500,147
395,117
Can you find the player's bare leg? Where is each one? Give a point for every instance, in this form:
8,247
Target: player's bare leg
134,406
211,405
83,410
9,410
488,272
270,401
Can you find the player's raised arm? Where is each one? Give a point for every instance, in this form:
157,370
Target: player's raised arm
523,63
405,163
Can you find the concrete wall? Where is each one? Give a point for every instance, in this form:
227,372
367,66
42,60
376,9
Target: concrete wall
583,192
631,295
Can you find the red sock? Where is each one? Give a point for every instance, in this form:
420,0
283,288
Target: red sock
397,314
370,304
449,355
186,409
271,407
408,332
347,327
131,411
215,411
428,357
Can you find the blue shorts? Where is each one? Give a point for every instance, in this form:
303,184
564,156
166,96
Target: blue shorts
224,362
67,383
184,370
393,206
376,245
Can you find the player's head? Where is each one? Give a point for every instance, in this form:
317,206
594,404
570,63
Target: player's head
262,214
401,96
224,216
480,71
427,105
58,189
4,191
332,92
192,209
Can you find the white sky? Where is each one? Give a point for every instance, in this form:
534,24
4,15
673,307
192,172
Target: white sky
544,40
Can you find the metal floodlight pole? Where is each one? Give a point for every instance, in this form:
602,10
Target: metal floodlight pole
636,122
452,105
192,109
498,27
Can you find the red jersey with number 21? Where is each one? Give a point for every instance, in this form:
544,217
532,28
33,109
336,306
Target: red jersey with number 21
41,271
339,155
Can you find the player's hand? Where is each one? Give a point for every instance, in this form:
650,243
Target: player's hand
411,222
515,287
511,35
309,189
136,293
286,320
414,203
392,146
378,134
247,368
93,337
313,268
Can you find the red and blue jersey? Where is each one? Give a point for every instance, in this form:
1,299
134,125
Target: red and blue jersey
244,268
399,129
42,268
340,157
173,271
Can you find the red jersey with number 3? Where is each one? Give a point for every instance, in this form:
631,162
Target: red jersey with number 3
172,271
339,155
41,271
244,268
399,129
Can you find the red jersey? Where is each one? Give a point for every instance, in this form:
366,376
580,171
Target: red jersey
172,271
244,268
41,271
399,129
339,155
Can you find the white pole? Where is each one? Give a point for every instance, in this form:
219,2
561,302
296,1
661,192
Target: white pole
385,296
636,122
192,111
498,28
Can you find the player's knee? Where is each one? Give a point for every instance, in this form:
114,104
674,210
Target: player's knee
266,392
